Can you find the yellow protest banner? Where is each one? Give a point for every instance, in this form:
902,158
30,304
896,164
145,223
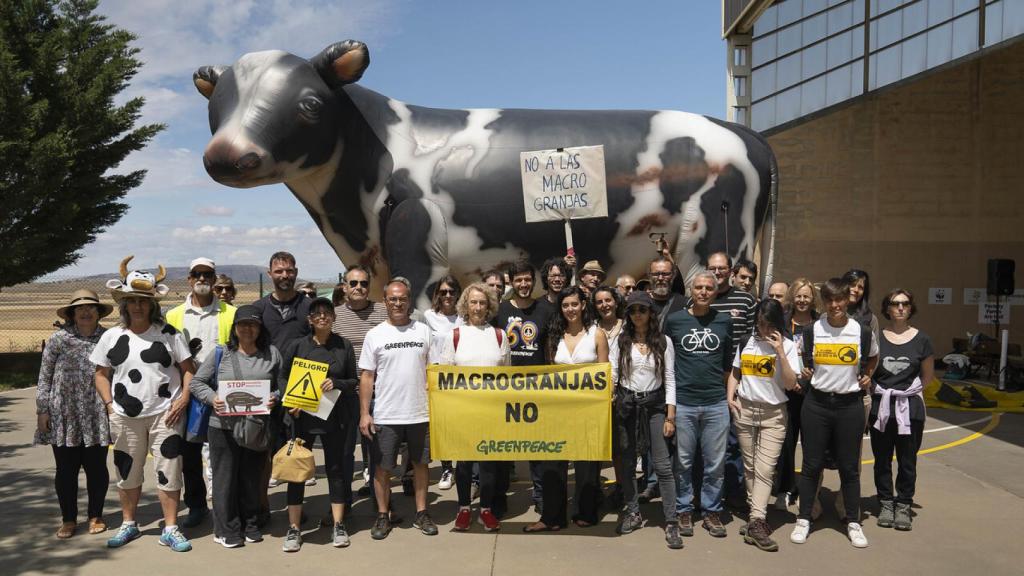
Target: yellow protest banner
560,412
303,389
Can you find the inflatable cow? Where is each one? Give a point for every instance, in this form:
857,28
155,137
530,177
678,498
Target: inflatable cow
422,192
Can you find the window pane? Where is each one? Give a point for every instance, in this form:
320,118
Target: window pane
1013,18
788,71
965,35
837,83
814,28
872,71
813,61
939,11
961,6
764,50
915,55
814,6
789,11
789,40
888,67
889,29
839,49
767,22
858,10
840,18
993,23
740,86
812,96
857,44
940,45
762,115
915,18
740,115
857,78
787,106
763,81
739,56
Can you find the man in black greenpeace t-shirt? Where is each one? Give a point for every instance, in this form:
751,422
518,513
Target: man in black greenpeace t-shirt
525,322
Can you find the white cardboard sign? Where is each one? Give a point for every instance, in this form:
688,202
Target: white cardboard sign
987,313
244,397
564,184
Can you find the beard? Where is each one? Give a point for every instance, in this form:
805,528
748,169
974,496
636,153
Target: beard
202,289
284,284
660,291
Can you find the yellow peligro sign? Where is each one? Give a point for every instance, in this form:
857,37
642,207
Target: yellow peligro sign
560,412
303,389
836,354
755,365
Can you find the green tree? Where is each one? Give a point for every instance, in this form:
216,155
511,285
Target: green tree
61,134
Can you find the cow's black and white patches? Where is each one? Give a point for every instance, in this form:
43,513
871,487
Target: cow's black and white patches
684,173
400,187
157,354
165,390
168,329
123,463
407,233
119,352
131,405
729,187
161,478
135,376
171,446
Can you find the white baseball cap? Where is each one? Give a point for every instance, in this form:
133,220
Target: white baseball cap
202,262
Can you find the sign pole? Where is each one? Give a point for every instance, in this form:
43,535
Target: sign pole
568,238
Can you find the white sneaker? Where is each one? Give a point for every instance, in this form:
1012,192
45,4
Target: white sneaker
366,475
639,465
446,480
856,534
800,531
311,481
273,483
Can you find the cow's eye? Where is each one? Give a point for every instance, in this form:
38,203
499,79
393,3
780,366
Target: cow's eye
310,106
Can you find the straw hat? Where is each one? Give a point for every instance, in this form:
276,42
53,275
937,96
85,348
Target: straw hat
79,298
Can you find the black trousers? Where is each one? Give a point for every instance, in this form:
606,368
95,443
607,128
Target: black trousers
493,484
194,495
237,475
71,459
836,422
339,480
883,445
555,480
785,468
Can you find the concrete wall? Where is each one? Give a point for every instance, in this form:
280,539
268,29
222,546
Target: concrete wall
919,185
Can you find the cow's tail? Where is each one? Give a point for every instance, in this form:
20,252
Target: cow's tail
773,211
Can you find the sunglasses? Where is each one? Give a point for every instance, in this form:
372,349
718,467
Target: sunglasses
446,292
900,303
223,288
209,274
359,283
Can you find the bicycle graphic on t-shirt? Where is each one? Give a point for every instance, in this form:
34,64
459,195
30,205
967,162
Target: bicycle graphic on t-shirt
703,339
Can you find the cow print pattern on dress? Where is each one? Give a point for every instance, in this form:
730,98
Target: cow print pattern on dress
171,446
135,376
119,353
123,463
168,329
161,478
165,390
131,405
157,354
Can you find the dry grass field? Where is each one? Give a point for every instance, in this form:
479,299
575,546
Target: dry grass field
28,311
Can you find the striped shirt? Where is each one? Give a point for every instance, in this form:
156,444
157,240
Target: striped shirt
354,324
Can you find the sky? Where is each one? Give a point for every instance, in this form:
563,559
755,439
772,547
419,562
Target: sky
658,54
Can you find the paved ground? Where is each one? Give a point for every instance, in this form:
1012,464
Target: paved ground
970,494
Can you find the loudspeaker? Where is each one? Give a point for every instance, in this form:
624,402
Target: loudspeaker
1000,276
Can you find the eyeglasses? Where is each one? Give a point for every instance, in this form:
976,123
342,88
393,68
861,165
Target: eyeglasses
900,303
360,283
627,289
321,314
223,288
661,274
718,268
446,292
209,274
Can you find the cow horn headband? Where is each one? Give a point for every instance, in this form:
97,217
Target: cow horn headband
138,282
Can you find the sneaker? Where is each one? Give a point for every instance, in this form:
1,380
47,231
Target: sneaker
311,481
125,534
686,524
175,540
447,478
628,522
228,541
463,520
639,465
292,540
759,534
253,535
274,483
381,527
366,475
713,524
673,538
856,534
489,520
341,539
800,531
886,514
194,517
902,518
425,523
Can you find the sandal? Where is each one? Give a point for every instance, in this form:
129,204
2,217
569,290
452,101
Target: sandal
97,525
67,530
540,527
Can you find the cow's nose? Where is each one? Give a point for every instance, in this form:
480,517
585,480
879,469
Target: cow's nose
248,162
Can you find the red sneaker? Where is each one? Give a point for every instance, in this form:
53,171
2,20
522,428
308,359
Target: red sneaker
489,521
463,520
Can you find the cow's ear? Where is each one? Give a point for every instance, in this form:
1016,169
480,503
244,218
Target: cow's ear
205,79
342,62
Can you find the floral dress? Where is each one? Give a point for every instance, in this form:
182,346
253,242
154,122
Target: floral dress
67,393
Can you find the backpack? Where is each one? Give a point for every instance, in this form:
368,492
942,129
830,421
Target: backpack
498,333
808,345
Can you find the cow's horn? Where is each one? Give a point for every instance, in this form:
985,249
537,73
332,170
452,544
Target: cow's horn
124,266
161,273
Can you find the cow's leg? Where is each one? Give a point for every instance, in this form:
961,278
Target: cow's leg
417,246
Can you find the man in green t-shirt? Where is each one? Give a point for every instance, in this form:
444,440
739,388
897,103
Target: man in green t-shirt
702,338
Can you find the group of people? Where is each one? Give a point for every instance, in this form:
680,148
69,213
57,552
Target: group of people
707,378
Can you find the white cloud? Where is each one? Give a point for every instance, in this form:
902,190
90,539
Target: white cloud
220,211
169,170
